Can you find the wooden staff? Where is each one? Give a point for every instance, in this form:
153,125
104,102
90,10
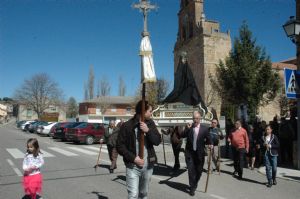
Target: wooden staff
163,141
219,156
142,141
98,159
208,169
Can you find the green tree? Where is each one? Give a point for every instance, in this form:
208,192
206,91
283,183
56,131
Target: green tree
72,108
246,77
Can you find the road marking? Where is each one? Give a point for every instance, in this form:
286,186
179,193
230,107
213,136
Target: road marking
16,153
83,151
216,196
62,151
96,148
45,154
17,171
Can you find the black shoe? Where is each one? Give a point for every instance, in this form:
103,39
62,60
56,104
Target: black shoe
234,173
274,182
192,192
269,184
111,170
176,168
240,177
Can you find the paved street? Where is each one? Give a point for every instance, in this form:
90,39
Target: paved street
69,174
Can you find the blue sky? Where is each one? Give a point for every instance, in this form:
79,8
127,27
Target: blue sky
65,37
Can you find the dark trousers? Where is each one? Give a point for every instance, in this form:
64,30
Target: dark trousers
286,151
113,155
238,158
176,150
195,167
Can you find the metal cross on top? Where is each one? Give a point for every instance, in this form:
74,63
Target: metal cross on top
145,6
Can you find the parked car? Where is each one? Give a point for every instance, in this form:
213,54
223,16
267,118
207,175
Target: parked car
61,131
87,133
19,123
33,126
55,127
25,126
45,130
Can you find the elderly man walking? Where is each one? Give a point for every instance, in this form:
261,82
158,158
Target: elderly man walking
240,146
196,137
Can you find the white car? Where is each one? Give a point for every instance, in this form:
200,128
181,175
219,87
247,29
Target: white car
45,130
23,125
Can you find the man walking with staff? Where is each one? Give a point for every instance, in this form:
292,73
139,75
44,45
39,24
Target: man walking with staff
138,170
216,135
196,137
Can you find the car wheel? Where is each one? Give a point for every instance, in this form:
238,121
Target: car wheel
89,140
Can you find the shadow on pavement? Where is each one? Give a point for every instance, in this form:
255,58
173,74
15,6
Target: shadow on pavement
176,185
292,177
105,166
29,197
120,177
165,170
252,181
99,195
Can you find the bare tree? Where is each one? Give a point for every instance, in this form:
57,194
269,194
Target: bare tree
162,88
98,88
104,87
38,93
86,91
155,92
122,87
91,82
72,108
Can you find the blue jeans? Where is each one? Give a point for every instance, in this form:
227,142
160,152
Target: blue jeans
271,166
137,181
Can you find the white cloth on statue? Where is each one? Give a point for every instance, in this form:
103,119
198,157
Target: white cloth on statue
148,72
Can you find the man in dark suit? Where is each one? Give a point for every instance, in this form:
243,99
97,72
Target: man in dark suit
196,137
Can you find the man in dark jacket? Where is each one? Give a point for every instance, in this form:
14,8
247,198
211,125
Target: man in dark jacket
216,135
196,137
138,171
176,142
113,155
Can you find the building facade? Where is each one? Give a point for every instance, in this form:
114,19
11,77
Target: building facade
3,113
106,108
53,113
268,111
205,45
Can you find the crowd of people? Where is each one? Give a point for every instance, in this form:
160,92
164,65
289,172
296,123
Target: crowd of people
250,146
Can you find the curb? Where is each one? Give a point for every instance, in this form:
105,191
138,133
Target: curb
262,171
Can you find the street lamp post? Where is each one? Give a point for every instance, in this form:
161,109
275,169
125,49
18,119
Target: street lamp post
292,29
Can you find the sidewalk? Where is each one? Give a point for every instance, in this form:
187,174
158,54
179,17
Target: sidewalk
283,173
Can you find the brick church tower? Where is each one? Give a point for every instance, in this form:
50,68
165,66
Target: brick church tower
205,45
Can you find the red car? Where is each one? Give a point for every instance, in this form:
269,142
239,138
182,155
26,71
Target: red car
60,131
88,133
56,127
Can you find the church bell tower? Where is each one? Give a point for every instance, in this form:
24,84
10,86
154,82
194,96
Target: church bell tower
205,45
